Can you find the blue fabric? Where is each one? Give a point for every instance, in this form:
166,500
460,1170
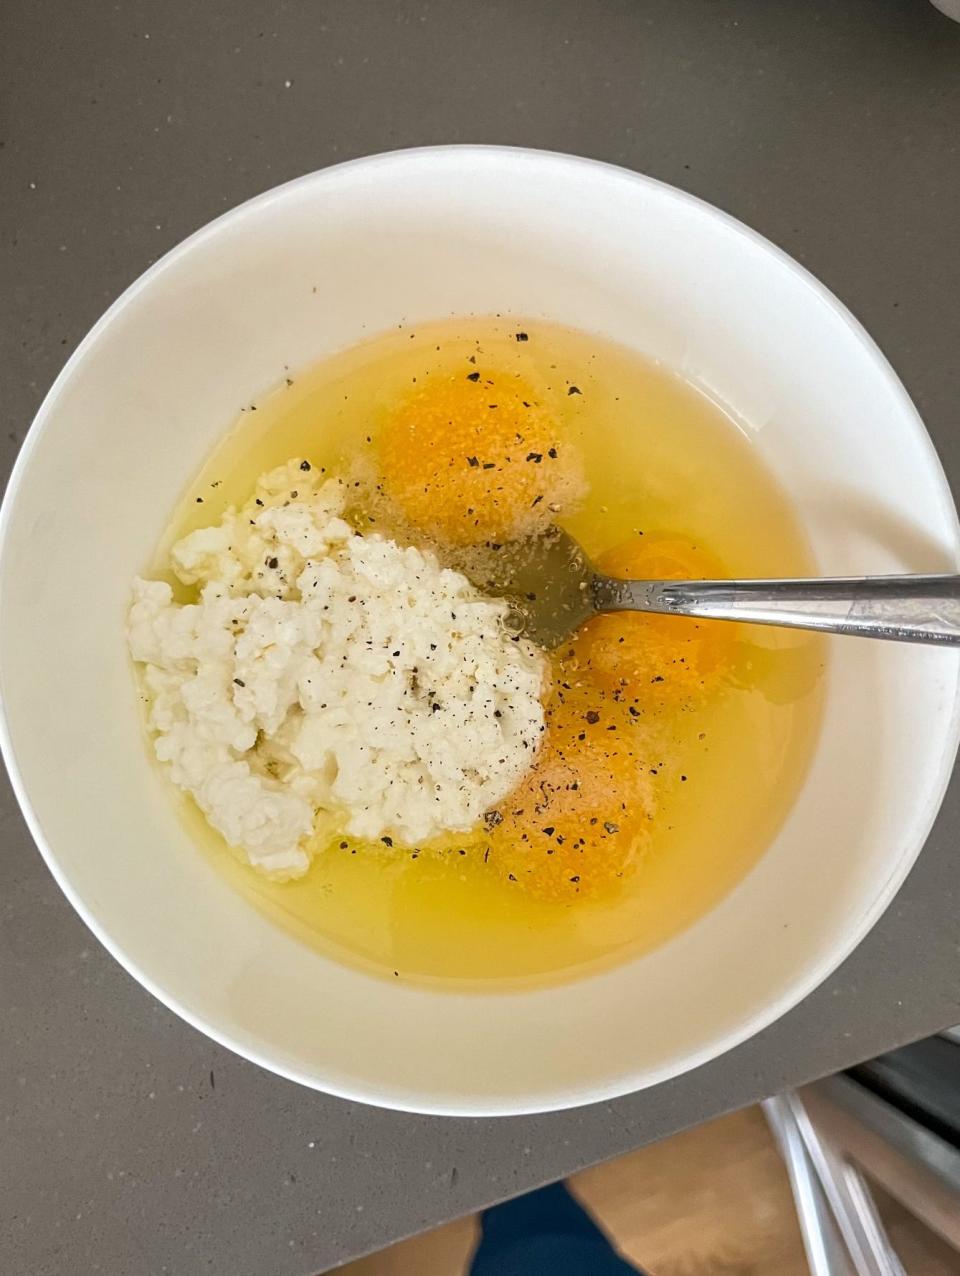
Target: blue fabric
545,1233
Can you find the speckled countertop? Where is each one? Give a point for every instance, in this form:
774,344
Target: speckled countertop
131,1144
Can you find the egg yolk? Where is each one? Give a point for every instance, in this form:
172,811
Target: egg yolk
657,659
581,816
474,457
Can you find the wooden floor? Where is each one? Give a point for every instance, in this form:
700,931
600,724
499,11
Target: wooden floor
713,1201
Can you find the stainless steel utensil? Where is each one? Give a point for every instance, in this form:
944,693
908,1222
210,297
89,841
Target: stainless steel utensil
554,588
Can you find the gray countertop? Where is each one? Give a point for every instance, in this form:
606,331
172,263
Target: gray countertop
130,1143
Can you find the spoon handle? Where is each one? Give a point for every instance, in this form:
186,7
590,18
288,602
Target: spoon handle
900,608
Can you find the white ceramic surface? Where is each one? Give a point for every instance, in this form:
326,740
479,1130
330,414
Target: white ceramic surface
319,264
950,7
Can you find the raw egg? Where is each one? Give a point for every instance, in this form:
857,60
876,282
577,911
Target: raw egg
657,659
476,456
582,814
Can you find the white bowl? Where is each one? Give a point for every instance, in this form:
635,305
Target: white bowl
314,266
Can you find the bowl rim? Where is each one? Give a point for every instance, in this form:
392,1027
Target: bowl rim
807,979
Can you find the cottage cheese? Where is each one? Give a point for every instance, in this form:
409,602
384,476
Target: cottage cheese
329,682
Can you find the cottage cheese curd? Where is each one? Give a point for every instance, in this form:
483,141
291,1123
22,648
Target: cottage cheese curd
330,682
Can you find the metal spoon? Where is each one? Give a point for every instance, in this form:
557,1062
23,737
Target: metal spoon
554,588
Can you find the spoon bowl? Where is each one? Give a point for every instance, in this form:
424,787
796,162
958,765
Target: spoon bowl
320,264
